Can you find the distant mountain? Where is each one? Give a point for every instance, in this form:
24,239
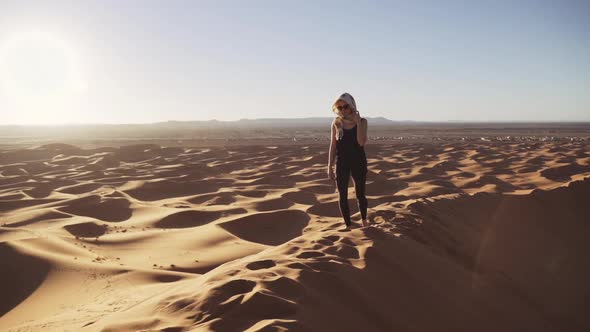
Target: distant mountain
216,128
171,128
265,122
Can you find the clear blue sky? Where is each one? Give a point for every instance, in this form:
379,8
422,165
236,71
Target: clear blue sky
146,61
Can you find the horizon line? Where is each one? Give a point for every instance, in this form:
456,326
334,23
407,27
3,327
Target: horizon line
275,118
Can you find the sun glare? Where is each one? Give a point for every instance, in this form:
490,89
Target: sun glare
39,75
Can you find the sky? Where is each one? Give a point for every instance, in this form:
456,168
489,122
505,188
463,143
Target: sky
66,62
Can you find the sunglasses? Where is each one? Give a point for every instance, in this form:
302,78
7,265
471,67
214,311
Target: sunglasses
343,107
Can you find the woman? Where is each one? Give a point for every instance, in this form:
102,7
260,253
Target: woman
349,136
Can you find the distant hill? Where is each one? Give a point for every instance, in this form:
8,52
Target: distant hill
266,122
271,128
170,127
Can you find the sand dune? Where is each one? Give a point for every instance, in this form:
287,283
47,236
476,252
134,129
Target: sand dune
468,236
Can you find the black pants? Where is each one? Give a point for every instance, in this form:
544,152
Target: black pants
357,167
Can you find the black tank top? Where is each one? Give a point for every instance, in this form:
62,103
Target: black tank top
347,146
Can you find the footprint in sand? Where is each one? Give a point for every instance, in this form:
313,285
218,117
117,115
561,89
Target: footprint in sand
382,216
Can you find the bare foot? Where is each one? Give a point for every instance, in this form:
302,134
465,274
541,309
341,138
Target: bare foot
366,223
346,228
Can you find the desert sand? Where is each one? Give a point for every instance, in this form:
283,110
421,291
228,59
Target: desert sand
468,235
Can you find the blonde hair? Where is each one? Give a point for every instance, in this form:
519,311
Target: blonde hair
348,99
339,114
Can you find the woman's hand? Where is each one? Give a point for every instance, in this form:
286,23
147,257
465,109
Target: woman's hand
357,117
331,174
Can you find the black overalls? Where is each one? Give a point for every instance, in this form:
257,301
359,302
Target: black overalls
350,160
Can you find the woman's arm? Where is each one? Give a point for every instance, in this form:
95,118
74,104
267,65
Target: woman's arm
361,133
332,153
